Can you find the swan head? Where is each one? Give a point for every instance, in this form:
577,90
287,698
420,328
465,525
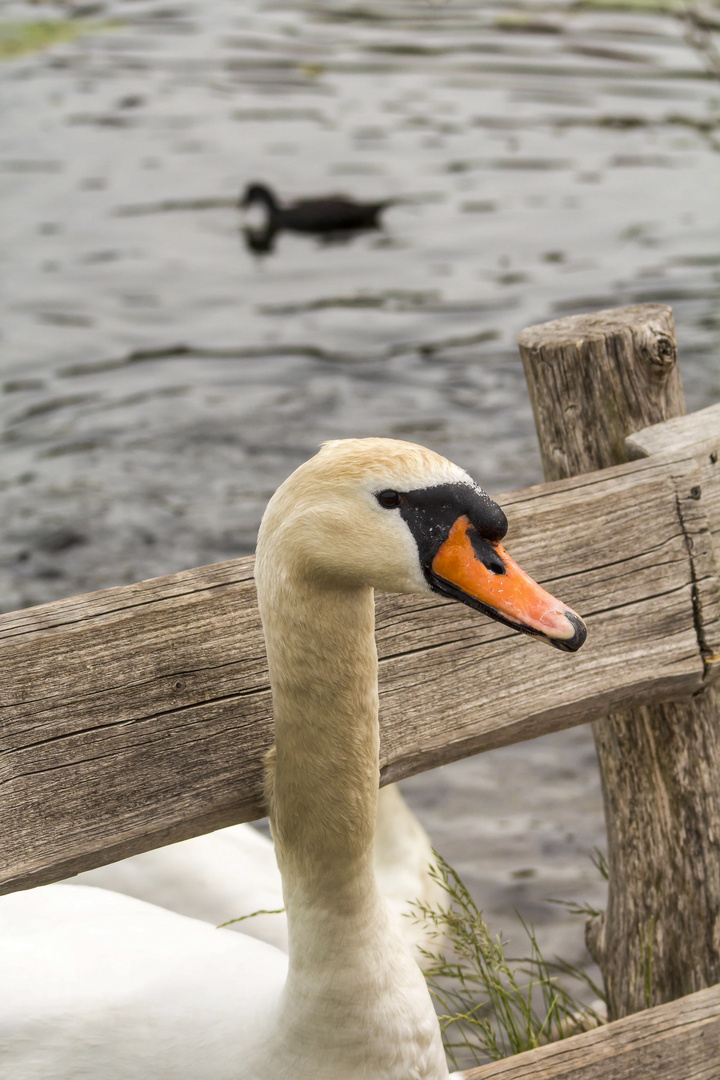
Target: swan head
398,517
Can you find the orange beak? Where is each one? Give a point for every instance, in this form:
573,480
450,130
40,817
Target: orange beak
482,574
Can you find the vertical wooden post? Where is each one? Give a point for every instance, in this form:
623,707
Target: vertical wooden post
593,380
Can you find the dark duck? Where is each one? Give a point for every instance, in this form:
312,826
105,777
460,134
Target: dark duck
333,215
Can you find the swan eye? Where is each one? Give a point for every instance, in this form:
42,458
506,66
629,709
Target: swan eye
389,499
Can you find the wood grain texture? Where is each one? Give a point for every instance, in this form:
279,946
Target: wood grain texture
594,380
140,715
701,433
678,433
677,1041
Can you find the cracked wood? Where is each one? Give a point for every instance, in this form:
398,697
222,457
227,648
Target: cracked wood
699,433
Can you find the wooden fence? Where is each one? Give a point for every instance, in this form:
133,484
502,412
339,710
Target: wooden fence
140,715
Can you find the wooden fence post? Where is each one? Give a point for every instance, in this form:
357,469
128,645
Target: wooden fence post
593,380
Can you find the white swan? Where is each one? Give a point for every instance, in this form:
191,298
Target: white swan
98,986
233,873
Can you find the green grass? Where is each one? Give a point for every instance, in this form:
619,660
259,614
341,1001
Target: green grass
646,942
491,1005
260,911
21,38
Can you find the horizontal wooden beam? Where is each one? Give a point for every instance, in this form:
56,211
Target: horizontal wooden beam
698,433
676,1041
141,715
691,432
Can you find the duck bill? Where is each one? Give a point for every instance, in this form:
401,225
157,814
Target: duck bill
481,574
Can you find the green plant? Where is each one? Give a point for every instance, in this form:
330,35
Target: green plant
251,915
490,1005
20,38
646,941
599,861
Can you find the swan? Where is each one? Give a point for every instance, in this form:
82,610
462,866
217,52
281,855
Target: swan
99,986
231,874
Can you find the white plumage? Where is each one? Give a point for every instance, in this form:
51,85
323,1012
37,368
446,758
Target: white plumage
233,873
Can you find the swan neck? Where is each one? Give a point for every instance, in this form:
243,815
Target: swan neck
325,701
354,995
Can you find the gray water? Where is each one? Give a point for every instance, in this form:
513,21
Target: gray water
158,378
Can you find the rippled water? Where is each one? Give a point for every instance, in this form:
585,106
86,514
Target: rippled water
158,378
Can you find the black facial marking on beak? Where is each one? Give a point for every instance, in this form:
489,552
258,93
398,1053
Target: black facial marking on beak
486,553
457,529
431,512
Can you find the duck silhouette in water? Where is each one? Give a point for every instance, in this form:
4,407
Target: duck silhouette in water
332,217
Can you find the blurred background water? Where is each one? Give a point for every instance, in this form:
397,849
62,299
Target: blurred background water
158,378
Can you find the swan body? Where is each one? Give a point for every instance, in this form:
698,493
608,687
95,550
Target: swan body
98,986
232,874
224,875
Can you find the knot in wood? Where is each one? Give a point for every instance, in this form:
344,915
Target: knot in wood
657,348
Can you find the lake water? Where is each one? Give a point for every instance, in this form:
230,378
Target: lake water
159,378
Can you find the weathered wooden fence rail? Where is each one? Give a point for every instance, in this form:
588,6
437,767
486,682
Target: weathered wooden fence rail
141,714
676,1041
